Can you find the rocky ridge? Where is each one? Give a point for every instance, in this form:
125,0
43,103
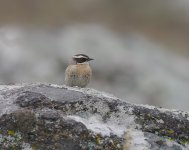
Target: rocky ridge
45,116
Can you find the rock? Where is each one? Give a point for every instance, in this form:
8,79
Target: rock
51,117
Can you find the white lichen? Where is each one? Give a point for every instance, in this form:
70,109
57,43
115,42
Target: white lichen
160,121
26,146
135,140
11,140
10,87
96,124
88,91
7,105
172,143
164,110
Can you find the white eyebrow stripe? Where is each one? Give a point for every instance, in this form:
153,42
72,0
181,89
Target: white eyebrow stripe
80,56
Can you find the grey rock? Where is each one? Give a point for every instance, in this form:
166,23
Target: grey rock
30,99
52,117
49,114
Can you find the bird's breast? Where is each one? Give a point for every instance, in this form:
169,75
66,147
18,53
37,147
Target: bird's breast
80,70
78,75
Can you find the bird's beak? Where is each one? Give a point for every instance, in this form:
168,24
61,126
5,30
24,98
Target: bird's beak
91,59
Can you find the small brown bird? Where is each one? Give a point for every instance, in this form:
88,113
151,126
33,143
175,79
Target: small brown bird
79,72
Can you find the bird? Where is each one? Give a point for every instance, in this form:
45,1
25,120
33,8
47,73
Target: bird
78,73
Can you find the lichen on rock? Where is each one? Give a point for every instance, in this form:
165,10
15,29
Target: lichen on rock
59,117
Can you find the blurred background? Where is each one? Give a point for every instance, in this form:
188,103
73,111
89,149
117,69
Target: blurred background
141,48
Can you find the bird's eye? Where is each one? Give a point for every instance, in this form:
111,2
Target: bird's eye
83,59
